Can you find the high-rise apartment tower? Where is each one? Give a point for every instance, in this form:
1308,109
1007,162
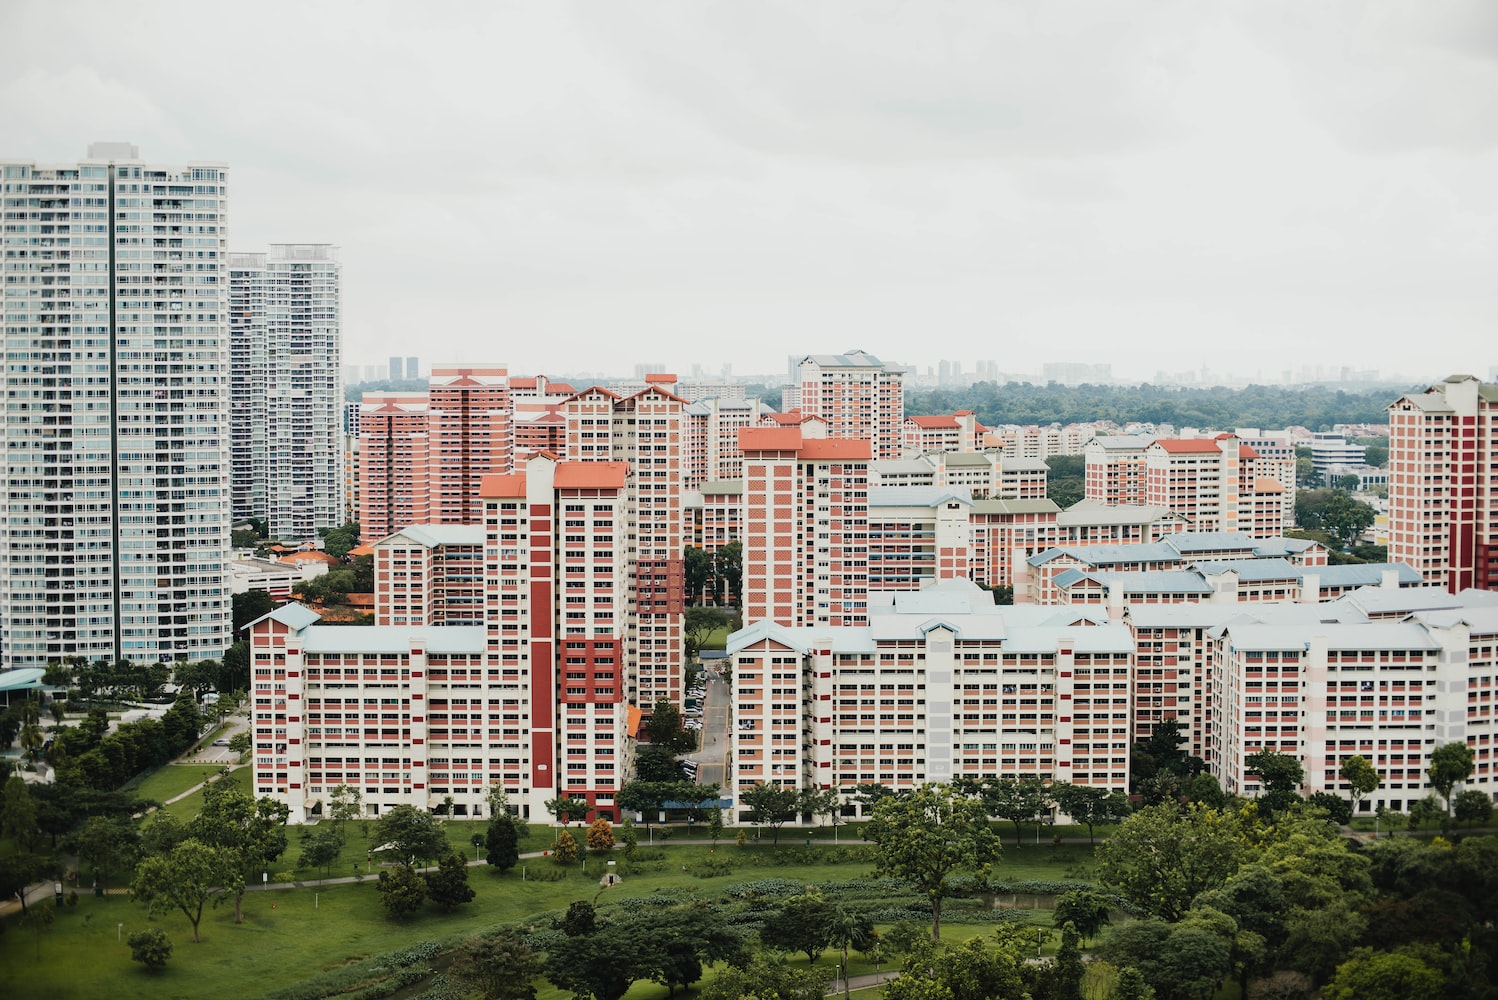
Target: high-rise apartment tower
114,526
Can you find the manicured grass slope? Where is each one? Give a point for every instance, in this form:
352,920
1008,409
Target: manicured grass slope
292,935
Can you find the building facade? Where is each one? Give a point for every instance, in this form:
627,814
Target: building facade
286,433
114,531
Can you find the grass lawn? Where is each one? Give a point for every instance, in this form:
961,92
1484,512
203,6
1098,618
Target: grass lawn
173,779
291,935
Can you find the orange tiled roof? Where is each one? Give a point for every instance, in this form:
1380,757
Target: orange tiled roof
934,423
591,475
852,449
1188,446
509,486
769,439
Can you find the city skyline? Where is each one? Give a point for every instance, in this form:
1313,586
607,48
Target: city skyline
711,184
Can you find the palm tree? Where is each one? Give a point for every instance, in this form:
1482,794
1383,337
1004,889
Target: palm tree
849,929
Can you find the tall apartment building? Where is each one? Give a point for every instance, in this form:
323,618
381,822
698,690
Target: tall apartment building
955,432
806,525
411,714
114,525
1443,483
712,442
646,430
394,462
858,395
285,345
469,433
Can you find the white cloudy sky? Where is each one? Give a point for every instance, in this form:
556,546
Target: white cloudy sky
1245,186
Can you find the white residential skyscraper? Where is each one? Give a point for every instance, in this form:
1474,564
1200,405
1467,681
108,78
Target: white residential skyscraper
114,528
286,423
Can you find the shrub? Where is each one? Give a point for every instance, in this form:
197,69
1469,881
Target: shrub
151,948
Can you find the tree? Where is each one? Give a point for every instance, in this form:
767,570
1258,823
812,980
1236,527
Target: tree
566,849
769,977
663,728
1280,775
401,890
338,541
1372,975
192,874
771,806
849,929
250,606
1017,799
697,569
821,802
151,948
344,804
1334,512
601,835
1130,984
1161,858
320,848
502,845
240,742
252,830
38,918
728,565
1085,909
1069,968
1473,807
969,971
17,871
715,825
698,625
448,885
501,966
1361,778
105,841
412,835
18,813
1090,805
928,836
804,923
655,762
1450,765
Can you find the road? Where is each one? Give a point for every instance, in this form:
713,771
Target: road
713,752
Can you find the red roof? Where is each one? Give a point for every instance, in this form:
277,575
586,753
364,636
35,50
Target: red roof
304,557
852,449
591,475
1188,446
661,379
934,423
1263,484
1244,451
769,439
793,418
509,487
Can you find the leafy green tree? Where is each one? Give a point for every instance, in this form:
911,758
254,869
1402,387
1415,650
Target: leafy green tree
344,804
728,566
320,848
770,805
17,871
340,540
501,966
1361,778
821,802
1371,975
1069,967
655,762
1085,909
565,851
768,976
187,878
1316,940
1335,512
1473,807
929,836
38,919
698,625
240,742
1280,775
1130,984
664,728
849,929
567,808
1450,765
1065,479
413,835
251,830
1017,799
151,948
697,569
1090,805
236,675
106,842
502,844
1161,858
715,825
250,606
402,891
18,814
448,885
804,923
969,971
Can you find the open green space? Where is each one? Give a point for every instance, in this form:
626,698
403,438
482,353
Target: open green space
291,935
173,779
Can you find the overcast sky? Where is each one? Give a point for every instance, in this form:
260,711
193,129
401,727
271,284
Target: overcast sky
1246,187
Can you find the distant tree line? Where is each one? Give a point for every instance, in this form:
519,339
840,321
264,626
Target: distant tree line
1254,406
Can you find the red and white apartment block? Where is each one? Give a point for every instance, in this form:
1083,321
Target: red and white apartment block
859,396
1443,483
